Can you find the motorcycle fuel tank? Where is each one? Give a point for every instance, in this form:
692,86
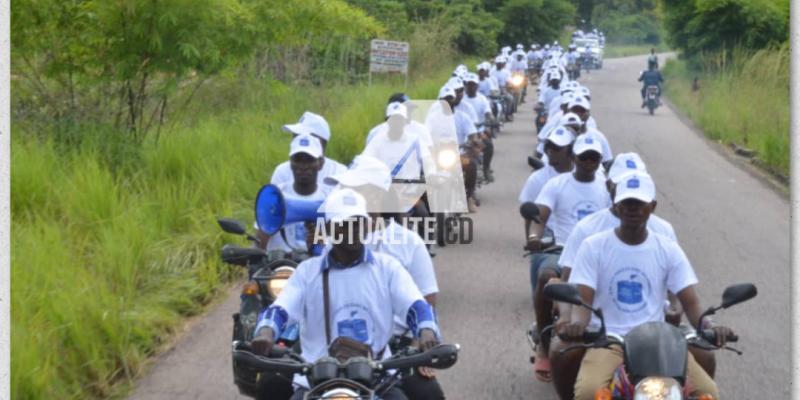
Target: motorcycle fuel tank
655,349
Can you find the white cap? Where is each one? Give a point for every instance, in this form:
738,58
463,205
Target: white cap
584,91
624,164
499,59
572,85
636,185
571,119
456,83
446,90
561,136
484,66
312,124
579,101
395,108
585,143
471,77
306,143
344,203
520,46
567,97
364,170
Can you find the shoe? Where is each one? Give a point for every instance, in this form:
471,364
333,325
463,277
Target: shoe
644,103
487,175
471,206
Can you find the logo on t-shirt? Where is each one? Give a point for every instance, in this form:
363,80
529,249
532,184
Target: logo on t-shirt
630,164
630,290
354,321
583,208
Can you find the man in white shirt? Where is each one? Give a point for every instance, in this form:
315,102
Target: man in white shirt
367,290
403,151
483,110
581,107
371,178
466,131
312,124
412,126
627,272
305,159
503,77
487,84
563,201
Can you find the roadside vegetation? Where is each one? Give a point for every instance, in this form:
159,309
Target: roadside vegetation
739,53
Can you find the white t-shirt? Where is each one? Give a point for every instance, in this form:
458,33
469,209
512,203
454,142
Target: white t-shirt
548,94
570,201
480,104
364,300
502,76
404,156
296,232
465,125
413,127
488,85
591,123
283,172
409,249
631,282
604,220
535,182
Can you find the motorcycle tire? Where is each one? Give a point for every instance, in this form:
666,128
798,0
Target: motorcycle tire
441,230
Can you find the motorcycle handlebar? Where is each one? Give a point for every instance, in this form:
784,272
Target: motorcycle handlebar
263,364
442,356
711,336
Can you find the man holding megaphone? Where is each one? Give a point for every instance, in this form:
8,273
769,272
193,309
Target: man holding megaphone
305,161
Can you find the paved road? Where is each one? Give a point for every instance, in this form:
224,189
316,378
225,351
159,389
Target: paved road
733,228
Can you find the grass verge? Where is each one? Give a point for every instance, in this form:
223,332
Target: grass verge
741,98
627,50
114,243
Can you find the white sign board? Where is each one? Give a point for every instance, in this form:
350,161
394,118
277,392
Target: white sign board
388,56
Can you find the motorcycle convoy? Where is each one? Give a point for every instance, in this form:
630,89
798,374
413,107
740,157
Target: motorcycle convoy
655,353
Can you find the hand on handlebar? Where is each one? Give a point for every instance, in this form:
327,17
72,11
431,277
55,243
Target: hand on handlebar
572,331
533,244
719,335
263,343
427,340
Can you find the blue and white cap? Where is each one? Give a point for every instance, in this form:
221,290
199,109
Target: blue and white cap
625,163
580,101
586,143
343,204
306,143
310,123
561,136
636,185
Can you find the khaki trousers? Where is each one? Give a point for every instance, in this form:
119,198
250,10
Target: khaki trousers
598,365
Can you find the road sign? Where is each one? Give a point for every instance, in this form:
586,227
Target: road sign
388,56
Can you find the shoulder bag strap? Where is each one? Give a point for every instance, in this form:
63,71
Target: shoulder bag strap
326,305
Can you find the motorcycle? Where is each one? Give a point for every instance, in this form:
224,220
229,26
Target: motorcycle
518,89
267,275
497,108
357,378
573,71
655,353
652,98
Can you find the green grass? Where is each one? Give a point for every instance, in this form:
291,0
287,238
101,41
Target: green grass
627,50
114,243
743,99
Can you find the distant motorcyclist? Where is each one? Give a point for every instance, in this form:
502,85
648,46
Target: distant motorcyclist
653,58
651,77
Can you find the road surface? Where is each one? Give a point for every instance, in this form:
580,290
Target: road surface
733,227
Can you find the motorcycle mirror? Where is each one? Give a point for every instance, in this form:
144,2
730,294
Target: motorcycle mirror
529,210
738,293
563,292
231,226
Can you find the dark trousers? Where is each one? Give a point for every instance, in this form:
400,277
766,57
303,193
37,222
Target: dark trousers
488,153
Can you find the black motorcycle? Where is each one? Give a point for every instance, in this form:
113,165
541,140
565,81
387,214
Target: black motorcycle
655,353
267,275
356,378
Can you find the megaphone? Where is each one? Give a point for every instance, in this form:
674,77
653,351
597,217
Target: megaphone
274,211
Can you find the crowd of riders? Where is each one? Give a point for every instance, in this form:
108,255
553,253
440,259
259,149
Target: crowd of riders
593,227
590,223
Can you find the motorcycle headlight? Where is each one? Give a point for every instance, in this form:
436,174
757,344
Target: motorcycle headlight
340,394
447,158
658,389
278,281
517,80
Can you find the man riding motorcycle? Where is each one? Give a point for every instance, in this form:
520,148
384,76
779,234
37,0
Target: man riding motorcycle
651,77
362,292
627,272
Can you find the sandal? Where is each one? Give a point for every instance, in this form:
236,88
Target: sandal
541,368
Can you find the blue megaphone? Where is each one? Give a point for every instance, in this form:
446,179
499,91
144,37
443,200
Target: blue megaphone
273,210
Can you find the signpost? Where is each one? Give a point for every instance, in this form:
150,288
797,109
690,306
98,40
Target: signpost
388,56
